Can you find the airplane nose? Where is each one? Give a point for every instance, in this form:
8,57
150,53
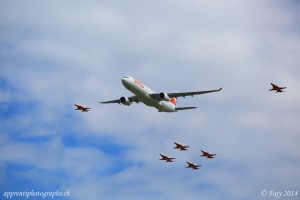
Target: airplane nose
125,82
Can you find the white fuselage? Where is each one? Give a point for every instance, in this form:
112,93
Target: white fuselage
142,92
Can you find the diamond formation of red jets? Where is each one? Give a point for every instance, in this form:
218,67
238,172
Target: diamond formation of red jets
190,165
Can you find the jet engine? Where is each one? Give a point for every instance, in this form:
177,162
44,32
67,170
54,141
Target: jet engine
163,96
125,101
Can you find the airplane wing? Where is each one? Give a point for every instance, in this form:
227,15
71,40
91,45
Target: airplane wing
171,95
131,99
183,94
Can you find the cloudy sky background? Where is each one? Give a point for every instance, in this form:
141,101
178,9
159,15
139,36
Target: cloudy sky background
57,53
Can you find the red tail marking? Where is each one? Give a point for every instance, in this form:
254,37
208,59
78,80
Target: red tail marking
173,101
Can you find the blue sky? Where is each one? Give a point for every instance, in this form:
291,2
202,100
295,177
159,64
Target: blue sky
57,53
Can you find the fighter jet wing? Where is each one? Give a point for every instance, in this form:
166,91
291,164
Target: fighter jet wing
131,99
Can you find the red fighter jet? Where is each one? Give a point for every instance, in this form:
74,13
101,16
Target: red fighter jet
208,155
277,88
82,108
166,158
192,166
181,147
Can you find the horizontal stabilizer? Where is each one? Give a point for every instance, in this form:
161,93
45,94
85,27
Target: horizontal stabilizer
185,108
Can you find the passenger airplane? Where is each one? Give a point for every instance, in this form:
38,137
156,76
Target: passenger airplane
181,147
82,108
192,165
208,155
277,88
163,102
166,158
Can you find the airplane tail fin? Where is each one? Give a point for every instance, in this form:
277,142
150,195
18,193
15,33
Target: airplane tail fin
173,101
